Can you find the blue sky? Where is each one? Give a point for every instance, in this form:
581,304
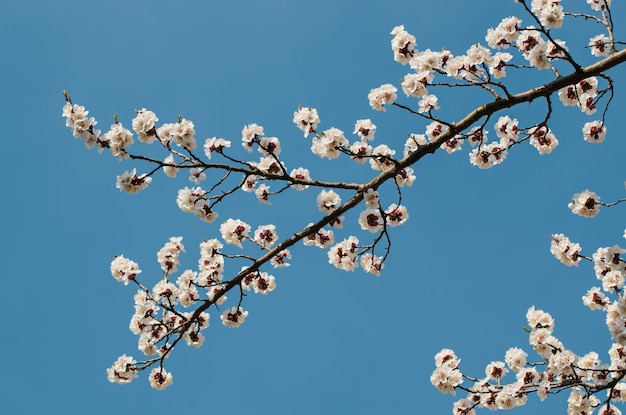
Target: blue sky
472,258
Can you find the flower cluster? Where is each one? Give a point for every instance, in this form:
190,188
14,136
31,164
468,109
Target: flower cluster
372,264
600,45
306,119
260,282
118,139
585,204
131,183
215,145
144,125
234,317
278,261
344,255
328,143
300,174
328,200
181,133
156,320
82,126
543,139
160,378
322,238
265,236
123,370
124,270
381,96
446,376
402,44
564,250
168,255
211,264
594,132
562,369
599,5
194,200
583,95
234,231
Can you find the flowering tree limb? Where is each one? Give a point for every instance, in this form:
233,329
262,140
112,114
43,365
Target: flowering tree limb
160,319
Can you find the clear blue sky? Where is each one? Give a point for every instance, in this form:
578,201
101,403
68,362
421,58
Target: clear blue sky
472,258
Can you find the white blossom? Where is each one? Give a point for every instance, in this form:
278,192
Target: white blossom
196,175
381,96
487,156
446,379
372,264
371,220
234,231
495,370
600,45
453,144
515,358
265,236
166,291
168,255
215,145
278,260
143,125
564,250
599,5
539,319
269,165
328,200
118,138
448,358
427,103
396,215
506,130
434,130
249,182
594,132
596,299
123,370
170,171
464,407
131,183
365,129
414,85
382,158
322,238
585,203
300,174
262,193
504,34
371,198
249,134
405,177
123,269
234,317
328,143
344,255
497,65
183,134
360,150
543,139
402,44
413,142
160,378
306,119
